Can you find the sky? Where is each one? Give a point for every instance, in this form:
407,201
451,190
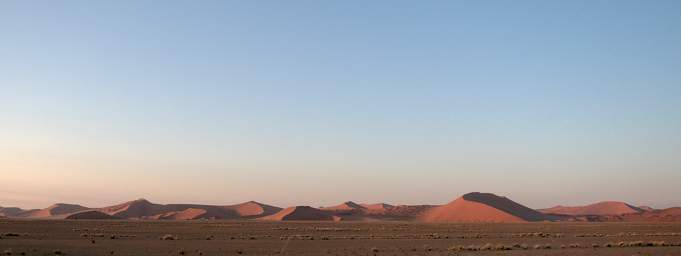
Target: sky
321,102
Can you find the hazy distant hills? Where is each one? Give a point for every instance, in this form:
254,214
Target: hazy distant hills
471,207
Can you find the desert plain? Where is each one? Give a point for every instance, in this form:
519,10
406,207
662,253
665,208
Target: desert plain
225,237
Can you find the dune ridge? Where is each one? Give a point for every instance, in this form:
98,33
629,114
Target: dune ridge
600,208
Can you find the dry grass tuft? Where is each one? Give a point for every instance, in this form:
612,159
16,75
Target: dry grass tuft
168,237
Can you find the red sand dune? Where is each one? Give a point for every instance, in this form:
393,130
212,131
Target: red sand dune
89,215
10,211
402,212
601,208
472,207
300,213
348,207
252,209
357,212
378,206
187,214
143,209
379,209
136,209
54,211
482,207
665,215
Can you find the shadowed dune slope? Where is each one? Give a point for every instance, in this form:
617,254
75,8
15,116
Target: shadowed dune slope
10,211
601,208
482,207
300,213
89,215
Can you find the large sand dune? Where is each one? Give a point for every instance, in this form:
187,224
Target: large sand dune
601,208
54,211
482,207
252,209
10,211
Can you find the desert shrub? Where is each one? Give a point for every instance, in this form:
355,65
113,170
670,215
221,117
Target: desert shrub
374,249
658,243
595,246
112,237
7,252
456,248
487,246
622,244
562,246
503,247
58,252
472,248
636,244
538,246
168,237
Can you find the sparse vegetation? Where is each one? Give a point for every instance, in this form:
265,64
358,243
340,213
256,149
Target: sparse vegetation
168,237
468,239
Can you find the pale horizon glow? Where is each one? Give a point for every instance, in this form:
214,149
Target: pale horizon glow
316,102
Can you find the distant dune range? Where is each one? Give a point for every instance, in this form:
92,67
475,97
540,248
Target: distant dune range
469,208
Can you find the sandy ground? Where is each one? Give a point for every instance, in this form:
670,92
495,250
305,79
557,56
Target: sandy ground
79,237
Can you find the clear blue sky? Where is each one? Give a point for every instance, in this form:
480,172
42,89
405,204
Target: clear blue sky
318,102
